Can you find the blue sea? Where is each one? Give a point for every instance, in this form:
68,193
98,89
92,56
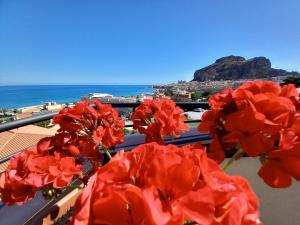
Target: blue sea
29,95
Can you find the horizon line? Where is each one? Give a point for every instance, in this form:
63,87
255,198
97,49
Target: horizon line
11,84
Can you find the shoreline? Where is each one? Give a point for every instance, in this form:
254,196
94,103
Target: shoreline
13,97
123,98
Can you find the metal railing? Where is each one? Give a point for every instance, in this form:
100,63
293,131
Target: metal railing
39,118
35,119
33,211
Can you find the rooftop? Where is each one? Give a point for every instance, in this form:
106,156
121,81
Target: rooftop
18,139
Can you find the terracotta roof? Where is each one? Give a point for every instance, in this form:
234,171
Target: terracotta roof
32,129
17,140
3,166
5,137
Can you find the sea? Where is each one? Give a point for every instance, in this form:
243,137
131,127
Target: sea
29,95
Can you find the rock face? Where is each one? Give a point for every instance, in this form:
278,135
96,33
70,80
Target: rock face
237,67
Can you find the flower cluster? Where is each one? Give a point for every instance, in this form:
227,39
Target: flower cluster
102,123
55,160
160,185
158,118
260,119
156,184
30,170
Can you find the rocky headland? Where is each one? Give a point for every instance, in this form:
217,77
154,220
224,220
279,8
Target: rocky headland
237,67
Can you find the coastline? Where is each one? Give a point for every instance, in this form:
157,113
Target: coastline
24,96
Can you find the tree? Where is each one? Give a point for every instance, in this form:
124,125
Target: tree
291,80
43,123
195,96
207,93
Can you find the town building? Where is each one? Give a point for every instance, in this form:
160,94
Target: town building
181,96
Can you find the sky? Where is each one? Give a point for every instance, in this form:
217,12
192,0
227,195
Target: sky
140,42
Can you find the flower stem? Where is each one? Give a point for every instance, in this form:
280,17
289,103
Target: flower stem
188,222
74,187
106,151
236,155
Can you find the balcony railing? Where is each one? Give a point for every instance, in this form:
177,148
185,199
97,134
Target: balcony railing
35,211
41,211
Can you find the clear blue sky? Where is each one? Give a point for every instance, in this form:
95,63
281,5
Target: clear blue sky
140,42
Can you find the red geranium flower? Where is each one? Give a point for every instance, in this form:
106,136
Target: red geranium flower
68,145
29,171
107,203
52,160
283,163
159,185
13,185
102,123
213,121
158,118
14,190
235,201
55,170
259,118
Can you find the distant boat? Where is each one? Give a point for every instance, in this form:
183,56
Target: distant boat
108,98
92,96
199,110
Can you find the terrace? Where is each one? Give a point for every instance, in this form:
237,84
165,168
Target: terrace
278,206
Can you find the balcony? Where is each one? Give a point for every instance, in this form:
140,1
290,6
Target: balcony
278,206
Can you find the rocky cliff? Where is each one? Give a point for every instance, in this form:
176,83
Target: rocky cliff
237,67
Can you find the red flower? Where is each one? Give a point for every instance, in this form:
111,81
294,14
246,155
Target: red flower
13,185
257,87
102,124
61,142
280,165
29,170
209,121
52,161
216,151
261,118
158,118
235,202
110,131
222,100
156,184
213,121
106,203
13,190
83,129
68,118
157,176
55,170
